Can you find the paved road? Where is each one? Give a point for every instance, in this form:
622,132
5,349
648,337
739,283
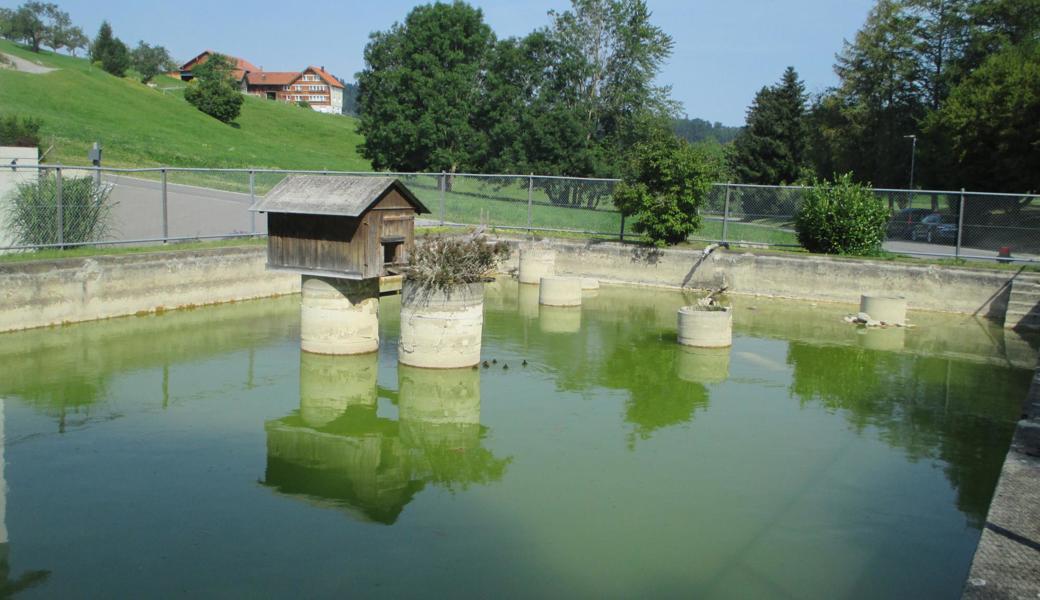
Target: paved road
192,211
26,66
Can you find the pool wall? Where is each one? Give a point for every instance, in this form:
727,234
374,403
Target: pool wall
817,278
41,293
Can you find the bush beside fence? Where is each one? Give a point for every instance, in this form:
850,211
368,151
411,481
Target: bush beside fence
170,204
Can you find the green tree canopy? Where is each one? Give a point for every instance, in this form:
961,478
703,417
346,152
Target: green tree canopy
773,146
150,61
214,91
667,181
990,124
420,88
110,51
35,24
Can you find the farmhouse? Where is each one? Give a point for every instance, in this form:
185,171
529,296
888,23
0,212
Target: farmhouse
313,85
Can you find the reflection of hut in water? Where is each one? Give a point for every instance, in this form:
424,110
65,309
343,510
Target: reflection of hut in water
356,463
703,365
329,384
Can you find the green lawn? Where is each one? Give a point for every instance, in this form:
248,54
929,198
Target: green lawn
142,126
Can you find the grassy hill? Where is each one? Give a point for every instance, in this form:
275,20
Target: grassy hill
143,126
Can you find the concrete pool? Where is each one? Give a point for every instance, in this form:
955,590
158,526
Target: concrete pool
198,453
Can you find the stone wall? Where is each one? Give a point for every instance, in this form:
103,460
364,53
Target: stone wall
979,292
40,293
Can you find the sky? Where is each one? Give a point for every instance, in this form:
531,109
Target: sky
725,50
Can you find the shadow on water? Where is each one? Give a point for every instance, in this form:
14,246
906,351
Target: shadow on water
336,451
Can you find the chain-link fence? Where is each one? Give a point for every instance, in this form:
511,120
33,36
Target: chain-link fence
52,206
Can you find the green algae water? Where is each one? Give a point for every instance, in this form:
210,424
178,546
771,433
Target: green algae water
198,453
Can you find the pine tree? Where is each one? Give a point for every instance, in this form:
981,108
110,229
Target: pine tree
773,147
110,51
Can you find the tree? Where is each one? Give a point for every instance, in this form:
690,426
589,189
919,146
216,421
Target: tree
990,124
76,40
419,91
33,23
773,147
214,91
150,61
110,51
667,182
696,130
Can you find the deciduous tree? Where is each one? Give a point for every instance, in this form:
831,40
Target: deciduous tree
213,89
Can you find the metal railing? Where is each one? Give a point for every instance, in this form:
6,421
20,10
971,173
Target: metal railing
59,206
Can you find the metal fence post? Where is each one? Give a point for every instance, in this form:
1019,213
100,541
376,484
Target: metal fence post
530,200
165,209
444,186
621,234
60,202
252,201
725,214
960,227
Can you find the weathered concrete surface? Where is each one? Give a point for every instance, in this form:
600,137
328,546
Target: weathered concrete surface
441,330
536,262
887,309
41,293
339,316
1007,561
701,328
816,278
329,385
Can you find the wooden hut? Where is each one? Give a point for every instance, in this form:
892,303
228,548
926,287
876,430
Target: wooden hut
339,226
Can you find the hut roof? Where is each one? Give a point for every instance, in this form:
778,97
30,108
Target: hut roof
339,195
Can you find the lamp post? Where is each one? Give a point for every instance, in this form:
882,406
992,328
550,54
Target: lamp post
913,155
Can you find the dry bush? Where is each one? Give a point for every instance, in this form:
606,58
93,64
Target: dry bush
443,263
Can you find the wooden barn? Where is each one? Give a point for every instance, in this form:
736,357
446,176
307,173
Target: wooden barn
338,226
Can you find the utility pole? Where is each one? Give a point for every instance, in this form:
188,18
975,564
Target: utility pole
913,156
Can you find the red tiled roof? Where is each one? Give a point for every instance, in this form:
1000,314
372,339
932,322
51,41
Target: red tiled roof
242,66
271,77
325,75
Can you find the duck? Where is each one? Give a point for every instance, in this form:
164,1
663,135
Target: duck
486,365
505,366
494,361
524,364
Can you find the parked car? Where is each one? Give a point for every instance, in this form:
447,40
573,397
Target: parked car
902,223
935,228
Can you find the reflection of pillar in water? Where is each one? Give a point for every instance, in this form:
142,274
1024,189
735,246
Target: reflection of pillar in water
559,319
331,384
703,365
527,301
882,338
439,407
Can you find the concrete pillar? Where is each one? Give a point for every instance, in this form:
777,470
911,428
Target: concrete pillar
536,262
887,309
439,408
559,319
589,283
703,365
441,330
704,328
331,384
339,316
560,291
